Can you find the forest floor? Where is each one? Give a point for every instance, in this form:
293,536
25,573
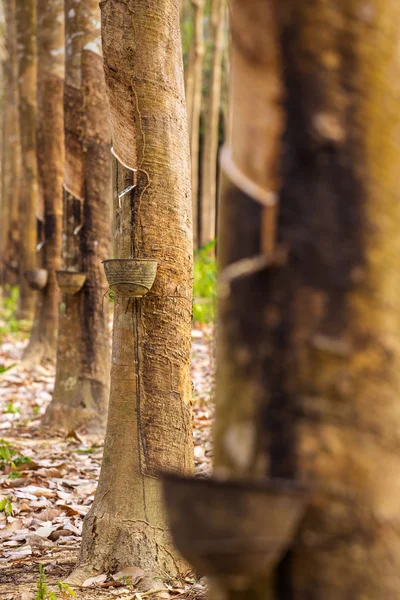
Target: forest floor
48,480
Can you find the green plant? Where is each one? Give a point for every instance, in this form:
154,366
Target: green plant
42,590
65,590
10,457
5,369
89,450
10,408
6,507
205,284
7,314
15,475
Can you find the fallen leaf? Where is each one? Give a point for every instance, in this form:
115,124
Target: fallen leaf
93,580
72,434
48,514
37,491
133,573
9,529
74,509
55,535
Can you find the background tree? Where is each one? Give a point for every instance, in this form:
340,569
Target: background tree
193,85
149,425
11,158
83,364
211,129
50,151
28,189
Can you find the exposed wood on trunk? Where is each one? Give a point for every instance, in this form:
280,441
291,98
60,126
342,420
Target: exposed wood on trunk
193,84
50,149
149,425
211,132
28,191
11,150
82,379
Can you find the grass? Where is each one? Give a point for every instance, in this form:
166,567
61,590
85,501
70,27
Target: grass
205,284
8,322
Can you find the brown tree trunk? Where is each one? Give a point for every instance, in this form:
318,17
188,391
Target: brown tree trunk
211,130
250,185
193,84
149,424
28,191
3,207
325,381
340,294
11,149
50,151
83,358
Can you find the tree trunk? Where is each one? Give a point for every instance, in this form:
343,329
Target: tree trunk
50,149
193,84
28,191
83,358
149,425
211,132
341,216
328,326
250,183
11,149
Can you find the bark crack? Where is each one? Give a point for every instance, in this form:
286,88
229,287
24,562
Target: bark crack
136,310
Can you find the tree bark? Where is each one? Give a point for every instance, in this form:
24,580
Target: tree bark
149,425
83,358
211,131
326,377
28,191
250,185
11,150
50,149
341,216
193,84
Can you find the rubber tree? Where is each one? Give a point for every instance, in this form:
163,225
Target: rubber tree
83,357
149,424
28,190
329,328
193,85
211,127
11,158
50,151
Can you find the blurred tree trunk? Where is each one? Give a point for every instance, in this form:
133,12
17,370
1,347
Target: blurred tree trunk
150,423
339,298
3,213
50,152
11,150
193,84
325,379
28,191
83,357
211,131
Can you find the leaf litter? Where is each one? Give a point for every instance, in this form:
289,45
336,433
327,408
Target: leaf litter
48,481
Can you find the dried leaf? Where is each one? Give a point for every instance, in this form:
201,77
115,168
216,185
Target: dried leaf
134,574
72,434
37,491
94,580
9,529
55,535
48,514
